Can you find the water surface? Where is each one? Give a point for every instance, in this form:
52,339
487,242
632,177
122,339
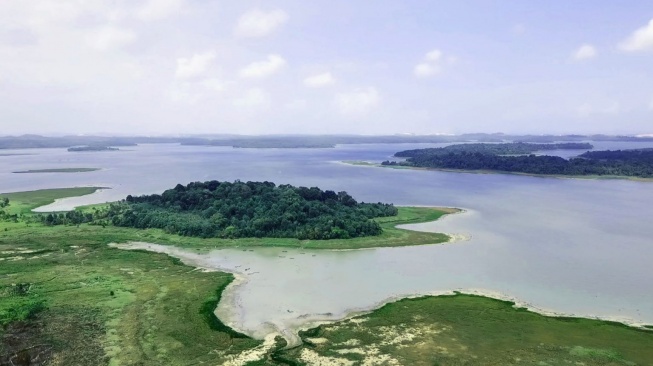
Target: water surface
569,246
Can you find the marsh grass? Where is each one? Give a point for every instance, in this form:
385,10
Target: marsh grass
24,202
474,330
102,305
88,304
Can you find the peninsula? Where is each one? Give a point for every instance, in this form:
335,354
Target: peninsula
519,158
91,148
65,295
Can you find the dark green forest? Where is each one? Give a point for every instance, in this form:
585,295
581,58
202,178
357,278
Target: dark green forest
240,210
625,163
512,148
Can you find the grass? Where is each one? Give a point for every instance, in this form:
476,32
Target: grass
69,299
150,308
24,202
58,170
86,303
473,330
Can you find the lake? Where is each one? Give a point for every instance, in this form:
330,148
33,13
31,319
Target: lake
567,246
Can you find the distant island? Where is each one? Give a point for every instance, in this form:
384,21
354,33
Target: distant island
242,210
58,170
295,141
518,158
515,148
92,148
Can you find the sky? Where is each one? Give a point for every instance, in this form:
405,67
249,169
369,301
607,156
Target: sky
165,67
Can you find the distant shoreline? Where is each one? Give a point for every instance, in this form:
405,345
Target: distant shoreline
57,170
559,176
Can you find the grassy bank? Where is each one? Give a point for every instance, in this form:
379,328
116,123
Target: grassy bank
101,304
401,167
24,202
67,298
471,330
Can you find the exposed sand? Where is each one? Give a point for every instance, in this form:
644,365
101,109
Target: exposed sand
230,309
254,354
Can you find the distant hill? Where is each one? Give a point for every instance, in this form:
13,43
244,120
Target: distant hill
293,141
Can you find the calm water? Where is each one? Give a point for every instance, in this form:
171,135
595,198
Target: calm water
570,246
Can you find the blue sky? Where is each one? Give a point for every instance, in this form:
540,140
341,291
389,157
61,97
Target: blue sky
370,67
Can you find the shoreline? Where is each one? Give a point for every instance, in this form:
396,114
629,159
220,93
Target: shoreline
228,302
557,176
44,208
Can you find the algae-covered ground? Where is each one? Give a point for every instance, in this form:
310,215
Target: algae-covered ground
66,298
470,330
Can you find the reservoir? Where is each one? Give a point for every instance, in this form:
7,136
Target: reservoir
566,246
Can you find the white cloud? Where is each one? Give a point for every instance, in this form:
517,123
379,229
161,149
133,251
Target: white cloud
188,68
640,40
358,103
159,9
254,98
214,84
585,52
258,23
432,64
425,70
261,69
434,56
109,38
320,80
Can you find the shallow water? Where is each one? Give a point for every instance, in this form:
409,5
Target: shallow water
569,246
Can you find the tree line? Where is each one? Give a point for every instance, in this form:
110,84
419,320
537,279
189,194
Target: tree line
239,210
512,148
628,163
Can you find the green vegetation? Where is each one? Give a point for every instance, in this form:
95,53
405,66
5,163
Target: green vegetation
69,299
471,330
488,157
66,298
242,210
58,170
513,148
25,202
91,148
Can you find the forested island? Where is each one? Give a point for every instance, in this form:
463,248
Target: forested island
240,210
57,170
508,158
91,148
513,148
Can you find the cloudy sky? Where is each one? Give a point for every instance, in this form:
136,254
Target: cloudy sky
325,66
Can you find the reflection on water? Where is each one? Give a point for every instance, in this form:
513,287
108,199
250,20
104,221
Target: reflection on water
570,246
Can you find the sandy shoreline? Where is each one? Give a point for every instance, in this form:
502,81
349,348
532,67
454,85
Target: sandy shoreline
227,309
583,177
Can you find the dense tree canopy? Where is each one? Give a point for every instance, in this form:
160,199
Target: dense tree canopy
512,148
238,210
628,163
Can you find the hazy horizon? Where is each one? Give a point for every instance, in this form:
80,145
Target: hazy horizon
193,67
